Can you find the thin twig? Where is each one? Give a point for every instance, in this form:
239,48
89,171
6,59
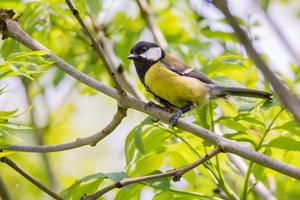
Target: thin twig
4,193
30,178
121,75
176,173
96,46
257,148
289,100
145,10
12,29
149,19
79,142
260,189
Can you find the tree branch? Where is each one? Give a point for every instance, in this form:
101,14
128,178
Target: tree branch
289,100
4,193
10,28
79,142
259,188
96,46
149,19
176,173
30,178
257,148
108,49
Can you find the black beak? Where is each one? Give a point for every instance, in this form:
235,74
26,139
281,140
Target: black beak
132,56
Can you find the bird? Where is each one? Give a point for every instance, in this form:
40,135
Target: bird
178,87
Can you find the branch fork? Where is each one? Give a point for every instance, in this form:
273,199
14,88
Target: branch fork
176,173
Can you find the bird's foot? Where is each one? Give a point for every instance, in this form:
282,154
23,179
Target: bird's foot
175,117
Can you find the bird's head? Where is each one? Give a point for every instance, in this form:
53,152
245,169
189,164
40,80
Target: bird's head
146,51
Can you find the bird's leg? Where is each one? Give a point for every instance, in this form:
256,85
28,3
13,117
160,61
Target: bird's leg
178,114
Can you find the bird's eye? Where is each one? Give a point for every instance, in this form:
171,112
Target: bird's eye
143,50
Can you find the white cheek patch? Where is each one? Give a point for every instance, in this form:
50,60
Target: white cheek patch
152,54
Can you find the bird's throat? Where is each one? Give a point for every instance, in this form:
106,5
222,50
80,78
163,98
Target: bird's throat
142,66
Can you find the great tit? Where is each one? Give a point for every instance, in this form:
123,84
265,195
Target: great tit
175,84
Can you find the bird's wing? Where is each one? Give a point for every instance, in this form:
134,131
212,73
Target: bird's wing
182,69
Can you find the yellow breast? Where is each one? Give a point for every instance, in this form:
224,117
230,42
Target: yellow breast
176,89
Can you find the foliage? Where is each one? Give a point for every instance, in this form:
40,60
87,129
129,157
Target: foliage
150,147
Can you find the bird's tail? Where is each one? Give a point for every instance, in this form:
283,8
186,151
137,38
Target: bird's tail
223,91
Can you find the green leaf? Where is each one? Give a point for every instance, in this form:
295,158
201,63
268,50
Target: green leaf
116,176
226,62
264,4
8,46
164,195
291,126
129,146
24,64
269,104
220,35
154,139
59,75
8,114
94,6
77,190
243,137
204,116
232,124
134,142
132,192
179,159
18,55
3,89
250,119
285,143
7,138
246,105
163,184
238,19
90,184
6,153
138,139
147,163
7,125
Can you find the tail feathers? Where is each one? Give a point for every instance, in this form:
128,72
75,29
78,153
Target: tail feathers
223,91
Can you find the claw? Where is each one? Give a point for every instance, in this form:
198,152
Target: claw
175,117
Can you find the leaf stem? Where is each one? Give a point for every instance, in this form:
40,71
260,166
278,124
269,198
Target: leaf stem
258,147
221,180
30,178
176,173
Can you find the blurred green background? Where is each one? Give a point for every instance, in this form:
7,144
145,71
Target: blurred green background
41,105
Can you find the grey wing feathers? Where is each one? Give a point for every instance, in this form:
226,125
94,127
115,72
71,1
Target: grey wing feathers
184,70
198,75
